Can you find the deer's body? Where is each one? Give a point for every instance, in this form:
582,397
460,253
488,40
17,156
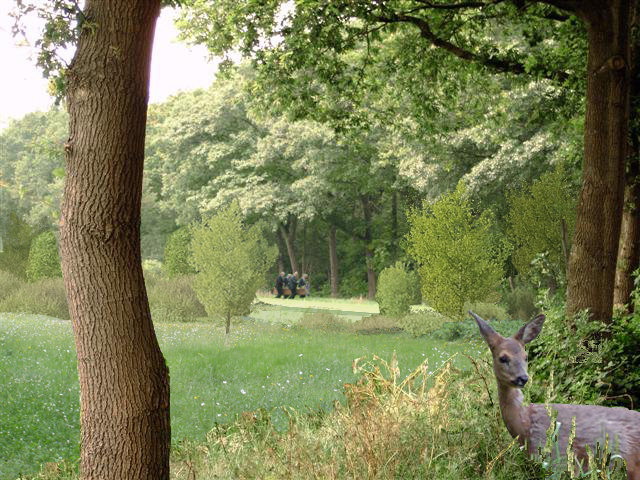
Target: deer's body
530,424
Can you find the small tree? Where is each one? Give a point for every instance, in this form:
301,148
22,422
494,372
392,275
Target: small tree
460,258
177,251
44,260
232,261
535,218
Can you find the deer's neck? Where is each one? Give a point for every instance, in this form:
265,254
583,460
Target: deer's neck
515,416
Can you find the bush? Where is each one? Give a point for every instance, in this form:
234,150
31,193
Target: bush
467,329
324,321
16,244
8,284
423,322
396,290
354,284
534,220
582,367
460,257
44,260
488,311
46,297
375,324
177,253
173,300
520,303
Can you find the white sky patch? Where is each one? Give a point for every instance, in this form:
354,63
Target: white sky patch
175,66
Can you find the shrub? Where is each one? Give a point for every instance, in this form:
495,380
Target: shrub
177,253
488,311
375,324
460,257
173,300
580,367
395,290
16,244
467,329
44,260
520,303
323,320
423,322
8,284
354,284
46,297
534,220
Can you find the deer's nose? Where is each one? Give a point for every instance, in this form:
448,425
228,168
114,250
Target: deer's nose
522,380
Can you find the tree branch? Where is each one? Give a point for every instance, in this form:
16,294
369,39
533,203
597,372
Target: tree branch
455,6
496,64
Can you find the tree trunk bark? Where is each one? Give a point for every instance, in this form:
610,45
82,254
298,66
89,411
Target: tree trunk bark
289,235
394,225
629,248
124,380
594,251
333,261
368,241
282,250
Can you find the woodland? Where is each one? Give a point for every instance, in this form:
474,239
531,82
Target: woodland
341,128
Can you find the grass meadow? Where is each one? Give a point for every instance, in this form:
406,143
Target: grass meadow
267,363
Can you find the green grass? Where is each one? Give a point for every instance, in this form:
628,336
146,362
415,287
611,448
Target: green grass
263,366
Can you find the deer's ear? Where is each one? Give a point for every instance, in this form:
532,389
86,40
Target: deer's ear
530,331
489,334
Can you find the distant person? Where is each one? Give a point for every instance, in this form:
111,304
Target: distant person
280,285
304,284
293,285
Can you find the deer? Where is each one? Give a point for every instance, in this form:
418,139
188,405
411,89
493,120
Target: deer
529,424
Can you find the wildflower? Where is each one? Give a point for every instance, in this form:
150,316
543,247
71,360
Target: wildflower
242,391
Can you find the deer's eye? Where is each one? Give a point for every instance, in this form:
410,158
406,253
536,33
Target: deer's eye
504,359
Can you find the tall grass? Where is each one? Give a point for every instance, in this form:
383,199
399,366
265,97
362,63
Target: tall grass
263,366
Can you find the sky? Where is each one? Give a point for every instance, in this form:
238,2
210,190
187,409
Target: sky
175,67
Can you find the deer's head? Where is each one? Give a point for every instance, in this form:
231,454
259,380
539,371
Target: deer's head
509,356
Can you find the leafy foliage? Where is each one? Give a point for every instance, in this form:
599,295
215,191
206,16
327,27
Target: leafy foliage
520,303
535,220
396,289
585,366
231,260
177,253
16,244
44,260
459,256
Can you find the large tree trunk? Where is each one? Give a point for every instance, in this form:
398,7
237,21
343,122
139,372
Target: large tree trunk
595,245
288,232
629,249
124,381
333,261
